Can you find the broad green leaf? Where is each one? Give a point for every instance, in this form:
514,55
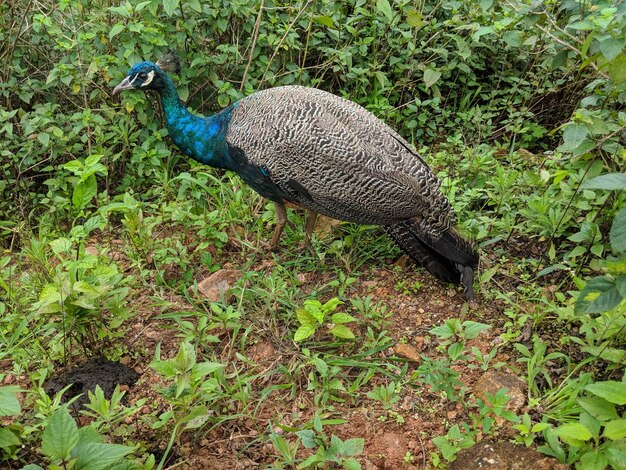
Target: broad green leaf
351,464
332,304
431,76
203,369
303,333
608,182
44,138
60,435
324,20
414,18
341,331
8,438
84,192
611,47
618,231
615,429
573,136
186,356
472,329
620,284
573,432
170,6
599,295
385,8
116,29
61,245
613,391
455,350
598,408
341,318
305,318
593,460
95,456
9,404
617,69
307,437
32,466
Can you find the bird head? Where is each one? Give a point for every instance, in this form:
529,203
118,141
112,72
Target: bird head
149,75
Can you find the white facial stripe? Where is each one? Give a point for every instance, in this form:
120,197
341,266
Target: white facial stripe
133,79
149,79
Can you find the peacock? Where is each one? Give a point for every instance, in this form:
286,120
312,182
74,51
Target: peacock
301,145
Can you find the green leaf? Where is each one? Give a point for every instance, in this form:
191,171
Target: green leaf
307,436
60,435
303,333
44,138
170,5
620,284
611,48
617,69
116,29
95,456
332,305
341,331
608,182
203,369
84,192
613,391
573,136
341,318
61,245
598,408
324,20
599,295
615,429
414,18
9,404
431,76
472,329
32,466
8,438
351,464
593,460
385,8
572,432
618,231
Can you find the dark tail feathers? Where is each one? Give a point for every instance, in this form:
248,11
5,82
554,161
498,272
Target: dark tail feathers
451,258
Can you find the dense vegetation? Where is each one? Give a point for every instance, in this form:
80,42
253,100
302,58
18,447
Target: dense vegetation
518,105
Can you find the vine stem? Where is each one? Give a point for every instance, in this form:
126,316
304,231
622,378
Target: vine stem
255,36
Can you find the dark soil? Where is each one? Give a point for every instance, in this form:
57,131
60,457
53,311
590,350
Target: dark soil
84,378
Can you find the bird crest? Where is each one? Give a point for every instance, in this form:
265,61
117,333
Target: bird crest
169,62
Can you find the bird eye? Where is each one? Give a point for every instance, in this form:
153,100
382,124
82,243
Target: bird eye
143,75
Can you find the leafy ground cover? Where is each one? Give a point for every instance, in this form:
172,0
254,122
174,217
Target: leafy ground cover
349,357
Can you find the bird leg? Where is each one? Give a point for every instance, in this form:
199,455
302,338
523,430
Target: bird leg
310,225
281,220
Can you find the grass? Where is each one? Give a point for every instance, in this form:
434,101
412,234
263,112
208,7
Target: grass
120,282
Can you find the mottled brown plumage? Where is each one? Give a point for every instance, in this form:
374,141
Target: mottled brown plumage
326,154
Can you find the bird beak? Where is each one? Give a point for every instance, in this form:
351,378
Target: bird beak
124,85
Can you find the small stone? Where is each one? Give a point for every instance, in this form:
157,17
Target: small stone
491,382
369,284
91,250
407,352
217,283
369,465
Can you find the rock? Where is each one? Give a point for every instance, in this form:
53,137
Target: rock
407,352
91,250
493,381
217,283
503,456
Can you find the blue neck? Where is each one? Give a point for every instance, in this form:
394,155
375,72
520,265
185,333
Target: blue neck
201,138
